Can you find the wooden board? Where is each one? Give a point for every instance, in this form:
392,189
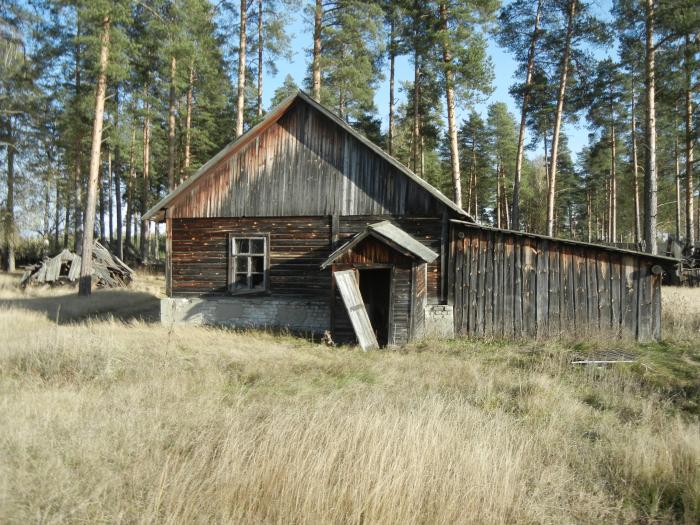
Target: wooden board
352,298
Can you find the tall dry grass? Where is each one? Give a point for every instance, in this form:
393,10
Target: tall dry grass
117,421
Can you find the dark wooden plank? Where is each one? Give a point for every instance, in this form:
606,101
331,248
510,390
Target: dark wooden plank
542,288
473,282
656,307
529,269
498,288
518,289
604,271
645,310
592,299
465,248
629,296
457,243
488,285
568,313
581,292
508,286
615,293
555,293
481,283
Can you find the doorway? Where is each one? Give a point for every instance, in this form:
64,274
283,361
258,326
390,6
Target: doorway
375,287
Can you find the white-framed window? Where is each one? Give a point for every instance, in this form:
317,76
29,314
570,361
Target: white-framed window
248,264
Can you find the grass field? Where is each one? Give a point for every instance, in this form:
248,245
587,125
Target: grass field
107,417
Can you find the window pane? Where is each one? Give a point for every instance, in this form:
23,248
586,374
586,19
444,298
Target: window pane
257,264
240,281
257,246
240,265
242,246
258,281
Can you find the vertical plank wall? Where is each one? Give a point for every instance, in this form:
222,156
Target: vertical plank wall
507,285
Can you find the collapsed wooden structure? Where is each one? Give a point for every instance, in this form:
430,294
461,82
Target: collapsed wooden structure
258,234
107,269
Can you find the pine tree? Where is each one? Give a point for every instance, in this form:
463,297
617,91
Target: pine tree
513,17
466,69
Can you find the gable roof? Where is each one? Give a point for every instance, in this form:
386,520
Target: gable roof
157,211
391,235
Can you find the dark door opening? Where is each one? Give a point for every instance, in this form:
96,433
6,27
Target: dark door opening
375,287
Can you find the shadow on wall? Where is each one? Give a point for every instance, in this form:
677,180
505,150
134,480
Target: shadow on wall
122,305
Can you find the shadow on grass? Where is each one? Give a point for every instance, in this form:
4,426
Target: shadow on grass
124,305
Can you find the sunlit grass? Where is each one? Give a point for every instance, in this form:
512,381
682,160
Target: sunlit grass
116,419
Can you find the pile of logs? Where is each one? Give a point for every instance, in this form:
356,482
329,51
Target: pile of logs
107,269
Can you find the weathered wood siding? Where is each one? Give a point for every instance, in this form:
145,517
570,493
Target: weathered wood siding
508,285
298,246
302,165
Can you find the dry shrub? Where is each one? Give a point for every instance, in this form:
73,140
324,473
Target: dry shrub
112,421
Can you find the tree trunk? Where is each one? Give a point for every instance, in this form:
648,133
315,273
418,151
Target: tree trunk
240,105
130,189
101,194
558,118
515,215
416,114
472,176
689,139
85,285
392,101
66,225
316,63
78,180
171,124
57,215
613,184
9,240
117,179
498,195
450,100
676,154
110,197
650,175
589,214
188,124
260,58
143,246
635,173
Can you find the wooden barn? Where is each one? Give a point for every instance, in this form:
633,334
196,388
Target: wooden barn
304,224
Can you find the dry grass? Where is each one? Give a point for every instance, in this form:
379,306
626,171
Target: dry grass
112,420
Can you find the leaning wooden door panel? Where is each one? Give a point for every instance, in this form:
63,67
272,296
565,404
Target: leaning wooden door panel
352,298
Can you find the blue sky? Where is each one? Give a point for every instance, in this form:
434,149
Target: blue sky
504,68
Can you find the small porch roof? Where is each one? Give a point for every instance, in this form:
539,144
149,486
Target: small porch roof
392,236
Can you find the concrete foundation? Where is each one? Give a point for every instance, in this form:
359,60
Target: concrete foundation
297,315
439,321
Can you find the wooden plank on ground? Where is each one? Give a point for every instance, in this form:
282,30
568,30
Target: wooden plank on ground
352,298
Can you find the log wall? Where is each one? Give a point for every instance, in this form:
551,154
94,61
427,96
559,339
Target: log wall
507,285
